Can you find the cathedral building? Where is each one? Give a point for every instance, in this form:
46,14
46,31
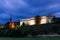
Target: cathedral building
32,21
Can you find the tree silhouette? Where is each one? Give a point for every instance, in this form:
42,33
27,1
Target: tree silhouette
23,24
53,19
37,19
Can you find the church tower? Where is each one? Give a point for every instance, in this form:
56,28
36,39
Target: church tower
10,19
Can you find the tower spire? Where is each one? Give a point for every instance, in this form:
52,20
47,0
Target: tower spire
10,19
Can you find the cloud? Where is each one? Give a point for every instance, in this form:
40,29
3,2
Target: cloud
13,4
57,14
53,6
4,16
27,8
9,8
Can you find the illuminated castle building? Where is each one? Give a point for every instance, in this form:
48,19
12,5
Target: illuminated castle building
32,21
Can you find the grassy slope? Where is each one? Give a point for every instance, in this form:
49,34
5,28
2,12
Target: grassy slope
40,38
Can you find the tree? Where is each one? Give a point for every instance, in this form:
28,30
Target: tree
53,19
37,19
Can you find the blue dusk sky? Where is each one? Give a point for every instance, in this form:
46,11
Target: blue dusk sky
19,9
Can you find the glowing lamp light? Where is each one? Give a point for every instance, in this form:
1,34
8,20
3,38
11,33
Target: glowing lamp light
13,25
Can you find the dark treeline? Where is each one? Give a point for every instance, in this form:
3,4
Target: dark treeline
31,30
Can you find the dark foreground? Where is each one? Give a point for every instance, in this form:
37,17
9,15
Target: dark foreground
34,38
34,30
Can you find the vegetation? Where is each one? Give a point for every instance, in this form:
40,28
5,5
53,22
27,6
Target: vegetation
31,30
37,29
37,19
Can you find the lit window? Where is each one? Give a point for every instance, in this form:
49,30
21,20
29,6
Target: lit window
31,22
43,20
21,23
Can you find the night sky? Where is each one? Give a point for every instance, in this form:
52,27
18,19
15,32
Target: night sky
19,9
